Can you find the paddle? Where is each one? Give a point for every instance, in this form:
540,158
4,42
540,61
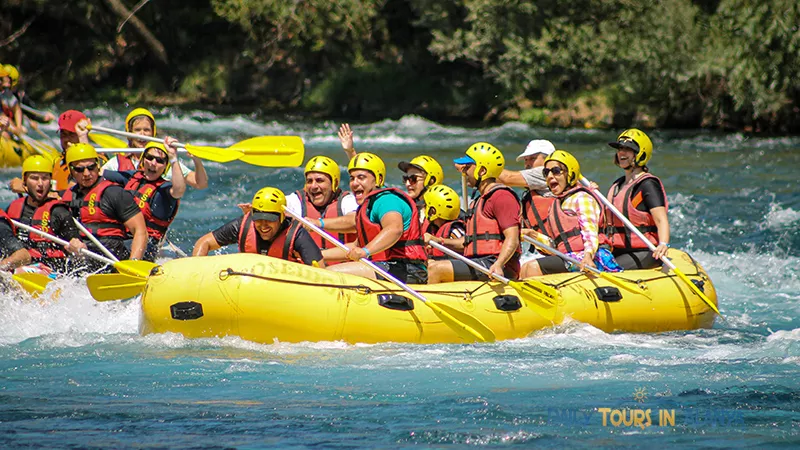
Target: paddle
652,247
94,240
42,149
605,275
136,268
31,110
265,151
466,326
540,297
106,141
114,286
34,283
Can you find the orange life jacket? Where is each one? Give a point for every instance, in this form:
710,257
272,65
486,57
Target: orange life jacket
332,209
484,237
621,236
95,220
410,246
38,246
143,193
442,232
564,228
534,210
282,246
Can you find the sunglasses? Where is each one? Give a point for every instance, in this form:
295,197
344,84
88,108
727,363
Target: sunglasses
411,178
91,168
556,171
155,158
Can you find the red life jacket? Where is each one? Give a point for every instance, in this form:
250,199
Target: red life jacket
442,232
332,209
621,236
564,228
282,246
95,220
38,246
125,163
410,246
534,210
9,102
484,237
143,193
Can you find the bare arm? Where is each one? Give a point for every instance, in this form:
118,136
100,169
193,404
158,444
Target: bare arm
19,258
512,178
197,178
139,231
662,223
178,181
508,249
205,244
337,254
341,224
346,138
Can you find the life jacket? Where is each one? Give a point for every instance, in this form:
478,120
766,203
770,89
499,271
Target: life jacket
621,236
410,246
282,246
331,210
534,210
442,232
125,163
565,230
38,246
143,193
484,237
9,102
89,212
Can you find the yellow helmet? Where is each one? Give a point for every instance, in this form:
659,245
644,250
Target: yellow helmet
370,162
80,152
37,163
136,113
433,170
573,168
637,141
3,71
488,156
268,204
323,164
12,73
443,200
159,147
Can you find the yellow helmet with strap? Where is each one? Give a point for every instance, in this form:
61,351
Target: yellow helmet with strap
488,156
160,147
441,201
78,152
268,204
323,164
37,163
433,170
635,139
372,163
573,168
135,114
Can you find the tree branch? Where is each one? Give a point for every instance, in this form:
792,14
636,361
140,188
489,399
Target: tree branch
17,33
150,40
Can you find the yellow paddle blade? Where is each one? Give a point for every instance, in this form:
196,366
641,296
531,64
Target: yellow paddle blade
34,283
114,286
216,154
272,151
467,326
140,269
696,290
107,141
538,296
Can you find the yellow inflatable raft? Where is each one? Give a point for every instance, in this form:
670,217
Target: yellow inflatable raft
12,153
265,300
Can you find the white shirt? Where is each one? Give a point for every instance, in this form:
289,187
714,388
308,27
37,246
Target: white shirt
349,204
113,165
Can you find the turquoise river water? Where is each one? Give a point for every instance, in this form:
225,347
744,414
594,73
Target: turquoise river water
76,373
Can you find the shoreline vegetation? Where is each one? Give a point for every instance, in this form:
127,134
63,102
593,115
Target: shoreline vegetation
723,64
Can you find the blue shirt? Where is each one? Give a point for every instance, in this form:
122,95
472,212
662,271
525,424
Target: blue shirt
387,202
162,206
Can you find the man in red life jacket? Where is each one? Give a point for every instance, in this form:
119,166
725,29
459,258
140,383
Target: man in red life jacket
105,208
574,222
11,113
442,224
321,197
156,197
39,210
386,222
264,229
641,197
421,173
141,121
492,238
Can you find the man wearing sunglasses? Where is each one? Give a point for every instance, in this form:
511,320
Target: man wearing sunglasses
105,208
157,197
421,173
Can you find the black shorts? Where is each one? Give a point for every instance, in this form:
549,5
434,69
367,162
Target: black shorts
463,272
636,259
552,264
406,271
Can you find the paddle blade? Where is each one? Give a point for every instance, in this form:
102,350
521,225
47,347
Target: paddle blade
272,151
696,290
140,269
467,326
104,140
216,154
34,283
114,286
541,298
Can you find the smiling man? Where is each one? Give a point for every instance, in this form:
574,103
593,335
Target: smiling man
264,229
